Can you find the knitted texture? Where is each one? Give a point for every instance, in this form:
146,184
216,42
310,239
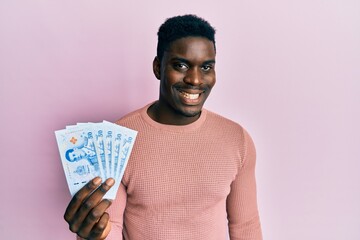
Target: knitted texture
187,182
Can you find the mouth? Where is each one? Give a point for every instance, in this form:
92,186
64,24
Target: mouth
190,96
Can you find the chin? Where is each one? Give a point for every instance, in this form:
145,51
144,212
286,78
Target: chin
190,113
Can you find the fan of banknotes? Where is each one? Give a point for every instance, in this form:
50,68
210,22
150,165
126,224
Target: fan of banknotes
88,150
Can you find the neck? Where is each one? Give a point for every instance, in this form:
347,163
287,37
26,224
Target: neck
165,114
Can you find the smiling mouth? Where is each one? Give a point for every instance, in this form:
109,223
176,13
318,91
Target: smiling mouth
191,96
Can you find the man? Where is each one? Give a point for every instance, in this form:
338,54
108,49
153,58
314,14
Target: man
84,151
191,172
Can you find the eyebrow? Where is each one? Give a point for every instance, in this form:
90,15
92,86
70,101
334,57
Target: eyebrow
212,61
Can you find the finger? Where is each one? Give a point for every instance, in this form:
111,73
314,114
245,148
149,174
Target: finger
79,197
91,202
101,230
93,217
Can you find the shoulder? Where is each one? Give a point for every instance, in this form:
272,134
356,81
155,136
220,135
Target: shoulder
229,129
132,118
215,120
129,116
235,136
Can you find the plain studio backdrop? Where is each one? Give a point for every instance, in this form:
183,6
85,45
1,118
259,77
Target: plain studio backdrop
288,71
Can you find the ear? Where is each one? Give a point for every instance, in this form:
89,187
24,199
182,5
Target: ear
157,68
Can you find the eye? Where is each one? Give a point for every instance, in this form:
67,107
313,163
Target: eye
180,66
206,68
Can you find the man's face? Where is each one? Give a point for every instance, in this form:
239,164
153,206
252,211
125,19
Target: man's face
77,154
187,75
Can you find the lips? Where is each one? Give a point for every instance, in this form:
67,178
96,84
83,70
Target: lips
191,96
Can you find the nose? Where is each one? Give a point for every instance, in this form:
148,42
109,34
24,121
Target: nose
193,77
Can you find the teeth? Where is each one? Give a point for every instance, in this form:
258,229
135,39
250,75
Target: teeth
190,96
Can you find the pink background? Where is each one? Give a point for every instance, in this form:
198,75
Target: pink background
289,71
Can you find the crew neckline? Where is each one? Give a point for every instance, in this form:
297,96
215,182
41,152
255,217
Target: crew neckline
173,128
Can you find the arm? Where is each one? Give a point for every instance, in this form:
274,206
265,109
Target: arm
241,204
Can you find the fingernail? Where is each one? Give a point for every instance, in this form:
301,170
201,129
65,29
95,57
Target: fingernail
110,181
97,181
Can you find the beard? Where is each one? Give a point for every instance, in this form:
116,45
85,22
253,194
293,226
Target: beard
193,113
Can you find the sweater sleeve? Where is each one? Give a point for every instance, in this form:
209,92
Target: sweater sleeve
242,210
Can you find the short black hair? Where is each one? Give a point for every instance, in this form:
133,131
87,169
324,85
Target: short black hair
182,26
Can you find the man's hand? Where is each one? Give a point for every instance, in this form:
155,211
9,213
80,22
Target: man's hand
86,211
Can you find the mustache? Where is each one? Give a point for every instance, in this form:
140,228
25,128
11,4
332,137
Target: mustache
184,86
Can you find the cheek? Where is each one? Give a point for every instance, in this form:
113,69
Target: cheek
211,80
172,78
165,88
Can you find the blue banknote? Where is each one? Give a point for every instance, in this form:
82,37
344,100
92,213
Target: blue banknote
100,147
78,156
109,139
126,146
117,144
88,150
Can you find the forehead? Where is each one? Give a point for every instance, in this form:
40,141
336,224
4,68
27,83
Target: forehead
192,47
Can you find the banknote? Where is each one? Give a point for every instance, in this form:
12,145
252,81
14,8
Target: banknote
116,155
88,150
100,147
109,139
126,146
78,156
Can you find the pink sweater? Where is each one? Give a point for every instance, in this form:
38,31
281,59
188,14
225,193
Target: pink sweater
187,182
